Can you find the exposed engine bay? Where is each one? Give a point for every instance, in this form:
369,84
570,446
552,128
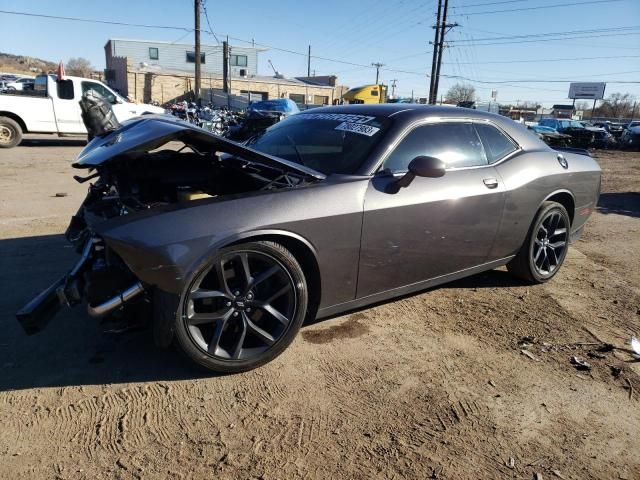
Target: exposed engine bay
204,168
144,180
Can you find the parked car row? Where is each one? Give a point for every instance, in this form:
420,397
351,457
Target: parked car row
582,134
10,83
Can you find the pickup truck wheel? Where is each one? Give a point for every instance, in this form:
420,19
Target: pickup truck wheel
10,133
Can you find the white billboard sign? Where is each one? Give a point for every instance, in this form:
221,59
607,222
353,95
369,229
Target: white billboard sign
587,90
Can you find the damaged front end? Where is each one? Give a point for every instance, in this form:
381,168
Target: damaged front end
131,179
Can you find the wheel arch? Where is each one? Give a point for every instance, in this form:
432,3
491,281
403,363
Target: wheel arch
565,198
15,118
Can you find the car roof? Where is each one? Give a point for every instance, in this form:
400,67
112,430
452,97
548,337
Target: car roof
409,112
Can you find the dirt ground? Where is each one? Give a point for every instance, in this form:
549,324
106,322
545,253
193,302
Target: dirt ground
434,385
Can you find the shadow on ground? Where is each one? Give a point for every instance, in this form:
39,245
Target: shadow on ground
74,348
54,142
627,203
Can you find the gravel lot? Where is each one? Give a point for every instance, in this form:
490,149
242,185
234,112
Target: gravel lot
430,386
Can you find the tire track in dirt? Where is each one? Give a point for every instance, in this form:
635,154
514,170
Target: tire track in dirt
113,422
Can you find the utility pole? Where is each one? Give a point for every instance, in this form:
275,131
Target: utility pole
377,65
309,62
225,67
196,4
434,60
443,30
393,87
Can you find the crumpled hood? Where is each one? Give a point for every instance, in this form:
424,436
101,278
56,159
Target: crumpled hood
149,132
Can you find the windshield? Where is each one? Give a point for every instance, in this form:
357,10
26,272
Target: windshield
283,105
326,142
571,124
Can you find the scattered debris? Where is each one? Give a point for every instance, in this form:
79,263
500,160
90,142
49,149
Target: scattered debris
511,463
605,347
61,194
527,353
580,364
593,354
558,474
528,339
635,345
630,388
538,476
492,383
615,371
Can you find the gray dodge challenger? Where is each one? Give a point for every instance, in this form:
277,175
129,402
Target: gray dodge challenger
232,247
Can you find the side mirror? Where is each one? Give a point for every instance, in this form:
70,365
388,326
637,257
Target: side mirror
422,166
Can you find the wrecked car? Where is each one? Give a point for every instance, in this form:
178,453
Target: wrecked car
235,246
551,137
260,116
581,136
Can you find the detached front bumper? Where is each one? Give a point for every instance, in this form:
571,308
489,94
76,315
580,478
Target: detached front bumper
78,284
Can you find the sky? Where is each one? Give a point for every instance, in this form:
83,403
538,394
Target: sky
350,35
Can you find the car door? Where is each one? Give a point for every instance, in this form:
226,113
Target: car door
435,226
66,107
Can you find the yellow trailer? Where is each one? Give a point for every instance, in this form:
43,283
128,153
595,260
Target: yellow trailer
366,94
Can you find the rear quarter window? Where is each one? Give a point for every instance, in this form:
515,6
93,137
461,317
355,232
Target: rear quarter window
496,144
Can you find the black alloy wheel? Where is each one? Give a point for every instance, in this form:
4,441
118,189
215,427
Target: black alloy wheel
545,247
550,243
243,308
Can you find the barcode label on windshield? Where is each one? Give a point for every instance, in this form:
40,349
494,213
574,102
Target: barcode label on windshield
360,128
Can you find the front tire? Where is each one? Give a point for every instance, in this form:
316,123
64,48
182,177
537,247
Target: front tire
10,132
545,247
242,308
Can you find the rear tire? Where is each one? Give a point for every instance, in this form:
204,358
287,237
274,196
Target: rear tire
10,132
242,308
545,248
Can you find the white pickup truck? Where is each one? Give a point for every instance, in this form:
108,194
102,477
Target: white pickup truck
52,107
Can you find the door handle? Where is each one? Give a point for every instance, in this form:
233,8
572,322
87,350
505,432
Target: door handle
490,182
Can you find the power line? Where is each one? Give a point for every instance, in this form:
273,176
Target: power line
206,16
539,7
560,39
542,60
91,20
547,34
490,3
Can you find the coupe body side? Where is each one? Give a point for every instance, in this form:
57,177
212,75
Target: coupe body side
236,245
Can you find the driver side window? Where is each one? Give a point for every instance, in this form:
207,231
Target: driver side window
455,143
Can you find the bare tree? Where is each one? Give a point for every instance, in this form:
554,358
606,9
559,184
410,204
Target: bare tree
616,105
583,106
461,92
80,67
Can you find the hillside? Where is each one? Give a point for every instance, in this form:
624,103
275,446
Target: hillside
28,65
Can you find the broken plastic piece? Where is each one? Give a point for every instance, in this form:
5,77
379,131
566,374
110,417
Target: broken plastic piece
580,364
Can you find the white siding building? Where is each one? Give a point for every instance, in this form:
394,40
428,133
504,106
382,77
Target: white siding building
180,57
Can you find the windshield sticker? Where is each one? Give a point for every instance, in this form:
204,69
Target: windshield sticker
367,130
339,117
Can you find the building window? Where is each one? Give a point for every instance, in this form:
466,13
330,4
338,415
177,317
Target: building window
191,57
153,53
374,93
238,60
297,97
320,100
